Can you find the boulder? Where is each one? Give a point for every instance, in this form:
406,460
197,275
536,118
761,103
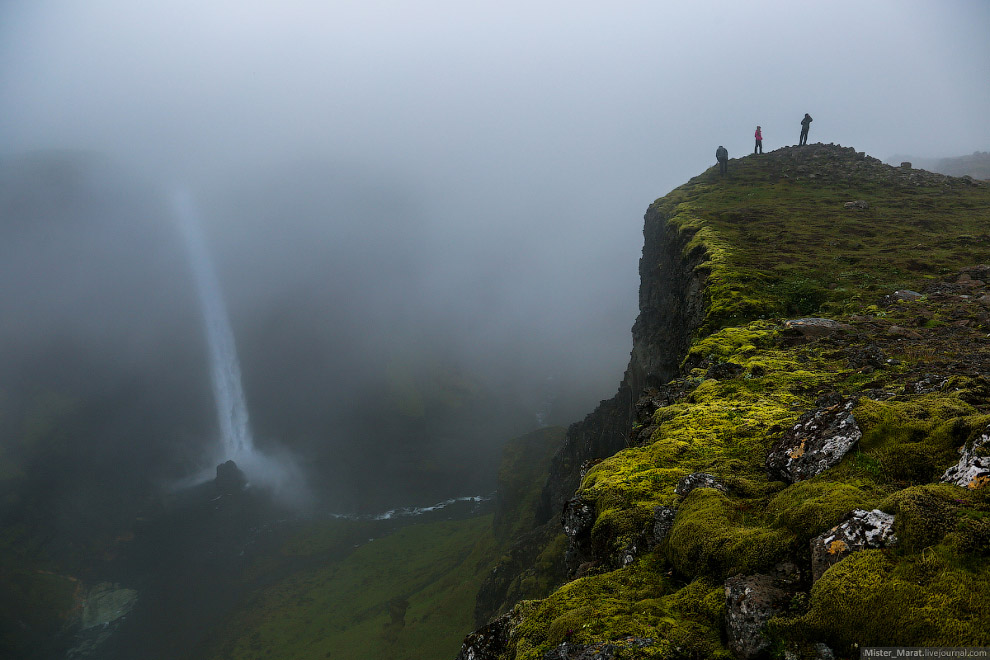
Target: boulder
750,602
860,530
698,480
663,522
105,603
818,440
814,327
230,479
973,469
907,294
857,204
724,370
488,642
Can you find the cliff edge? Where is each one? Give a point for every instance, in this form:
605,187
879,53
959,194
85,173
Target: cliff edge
796,462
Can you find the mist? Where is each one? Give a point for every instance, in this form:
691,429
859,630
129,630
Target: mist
425,219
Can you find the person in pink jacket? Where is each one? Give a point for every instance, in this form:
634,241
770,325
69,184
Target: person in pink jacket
759,141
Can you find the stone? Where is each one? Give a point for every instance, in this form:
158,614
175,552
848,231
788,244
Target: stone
906,165
815,327
663,522
698,480
860,530
488,642
818,440
750,602
907,333
907,294
857,204
926,384
973,469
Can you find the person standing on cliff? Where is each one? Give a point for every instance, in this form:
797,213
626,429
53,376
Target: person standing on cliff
805,123
722,156
759,141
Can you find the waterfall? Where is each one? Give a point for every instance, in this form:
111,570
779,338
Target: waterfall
225,370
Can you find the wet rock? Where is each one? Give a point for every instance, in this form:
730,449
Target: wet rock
857,204
599,650
859,531
750,602
818,440
577,520
814,327
698,480
230,478
488,642
973,469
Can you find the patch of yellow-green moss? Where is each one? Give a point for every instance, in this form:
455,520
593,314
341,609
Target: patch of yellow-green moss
639,601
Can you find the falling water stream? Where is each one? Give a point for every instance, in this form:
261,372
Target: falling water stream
225,370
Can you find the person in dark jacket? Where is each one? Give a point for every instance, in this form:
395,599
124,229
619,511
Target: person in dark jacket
759,141
805,123
722,156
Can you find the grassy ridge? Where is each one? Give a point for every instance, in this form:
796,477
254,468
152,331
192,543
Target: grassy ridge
781,243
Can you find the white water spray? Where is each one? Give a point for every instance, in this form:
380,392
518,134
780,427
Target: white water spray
225,370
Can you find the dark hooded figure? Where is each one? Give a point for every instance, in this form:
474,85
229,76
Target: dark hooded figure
722,156
805,123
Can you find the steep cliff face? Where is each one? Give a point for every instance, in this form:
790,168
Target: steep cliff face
671,308
797,459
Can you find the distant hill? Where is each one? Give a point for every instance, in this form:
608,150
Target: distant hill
976,165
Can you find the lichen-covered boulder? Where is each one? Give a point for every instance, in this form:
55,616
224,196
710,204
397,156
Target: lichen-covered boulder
750,602
818,440
860,530
698,480
973,469
663,521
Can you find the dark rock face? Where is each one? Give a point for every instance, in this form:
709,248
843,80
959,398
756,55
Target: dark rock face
577,519
598,650
489,642
229,478
724,371
861,530
973,469
653,399
698,480
671,304
817,442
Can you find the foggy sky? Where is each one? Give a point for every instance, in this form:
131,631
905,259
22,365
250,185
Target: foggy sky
507,150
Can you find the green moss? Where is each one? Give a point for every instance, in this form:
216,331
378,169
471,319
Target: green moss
870,599
636,600
710,536
809,508
923,515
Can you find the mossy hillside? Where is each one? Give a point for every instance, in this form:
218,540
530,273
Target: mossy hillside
780,246
408,595
780,241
